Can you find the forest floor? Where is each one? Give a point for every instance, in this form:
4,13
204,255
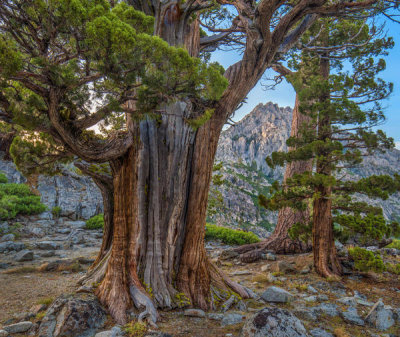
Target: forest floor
21,288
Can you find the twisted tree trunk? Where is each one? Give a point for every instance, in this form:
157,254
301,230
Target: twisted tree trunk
279,241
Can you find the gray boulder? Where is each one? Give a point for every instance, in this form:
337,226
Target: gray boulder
3,333
276,295
18,327
78,315
380,316
24,255
273,322
329,309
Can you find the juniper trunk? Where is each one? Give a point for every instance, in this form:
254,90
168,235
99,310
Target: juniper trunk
326,262
279,241
158,257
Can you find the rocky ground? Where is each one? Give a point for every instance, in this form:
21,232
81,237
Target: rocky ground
42,259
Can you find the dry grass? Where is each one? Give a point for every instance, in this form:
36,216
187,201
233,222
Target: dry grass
341,332
21,270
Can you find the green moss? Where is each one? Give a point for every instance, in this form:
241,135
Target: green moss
230,236
135,329
95,222
395,244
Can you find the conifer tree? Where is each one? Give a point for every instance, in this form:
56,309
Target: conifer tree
66,66
344,107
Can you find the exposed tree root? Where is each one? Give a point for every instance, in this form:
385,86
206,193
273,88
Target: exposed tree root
96,272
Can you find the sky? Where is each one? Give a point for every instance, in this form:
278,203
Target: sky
284,94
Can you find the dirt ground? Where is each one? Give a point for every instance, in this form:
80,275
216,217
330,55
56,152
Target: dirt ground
19,292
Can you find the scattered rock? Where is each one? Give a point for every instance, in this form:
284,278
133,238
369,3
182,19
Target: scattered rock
273,322
215,316
232,318
11,246
351,316
228,254
73,315
311,289
195,313
305,270
329,309
7,237
37,231
114,332
351,301
49,253
48,245
380,316
312,298
3,333
24,255
18,327
276,295
320,333
284,267
270,257
76,224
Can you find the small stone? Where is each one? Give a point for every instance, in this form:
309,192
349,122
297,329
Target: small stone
18,327
329,309
49,253
215,316
38,308
305,270
265,267
63,230
323,297
195,313
285,267
24,255
37,232
351,316
232,318
241,272
277,295
3,333
7,237
48,245
4,265
351,301
228,254
114,332
270,257
76,224
320,333
312,298
311,289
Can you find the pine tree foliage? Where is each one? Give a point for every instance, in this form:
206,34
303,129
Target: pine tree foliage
345,109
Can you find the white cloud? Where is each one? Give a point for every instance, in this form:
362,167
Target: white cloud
397,144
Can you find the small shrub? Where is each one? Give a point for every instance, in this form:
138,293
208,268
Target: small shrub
230,236
365,260
18,199
46,301
393,268
56,211
95,222
395,244
40,315
3,178
135,329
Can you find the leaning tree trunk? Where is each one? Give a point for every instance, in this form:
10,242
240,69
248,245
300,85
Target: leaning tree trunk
5,143
280,241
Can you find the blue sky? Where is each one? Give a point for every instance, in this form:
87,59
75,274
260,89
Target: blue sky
284,94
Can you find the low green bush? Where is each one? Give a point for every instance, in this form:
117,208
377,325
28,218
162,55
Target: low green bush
365,260
17,199
3,178
56,211
230,236
395,244
95,222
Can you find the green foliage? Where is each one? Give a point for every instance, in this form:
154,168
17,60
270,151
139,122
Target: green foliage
230,236
341,109
201,120
135,329
56,211
3,178
365,260
393,268
18,199
95,222
395,244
